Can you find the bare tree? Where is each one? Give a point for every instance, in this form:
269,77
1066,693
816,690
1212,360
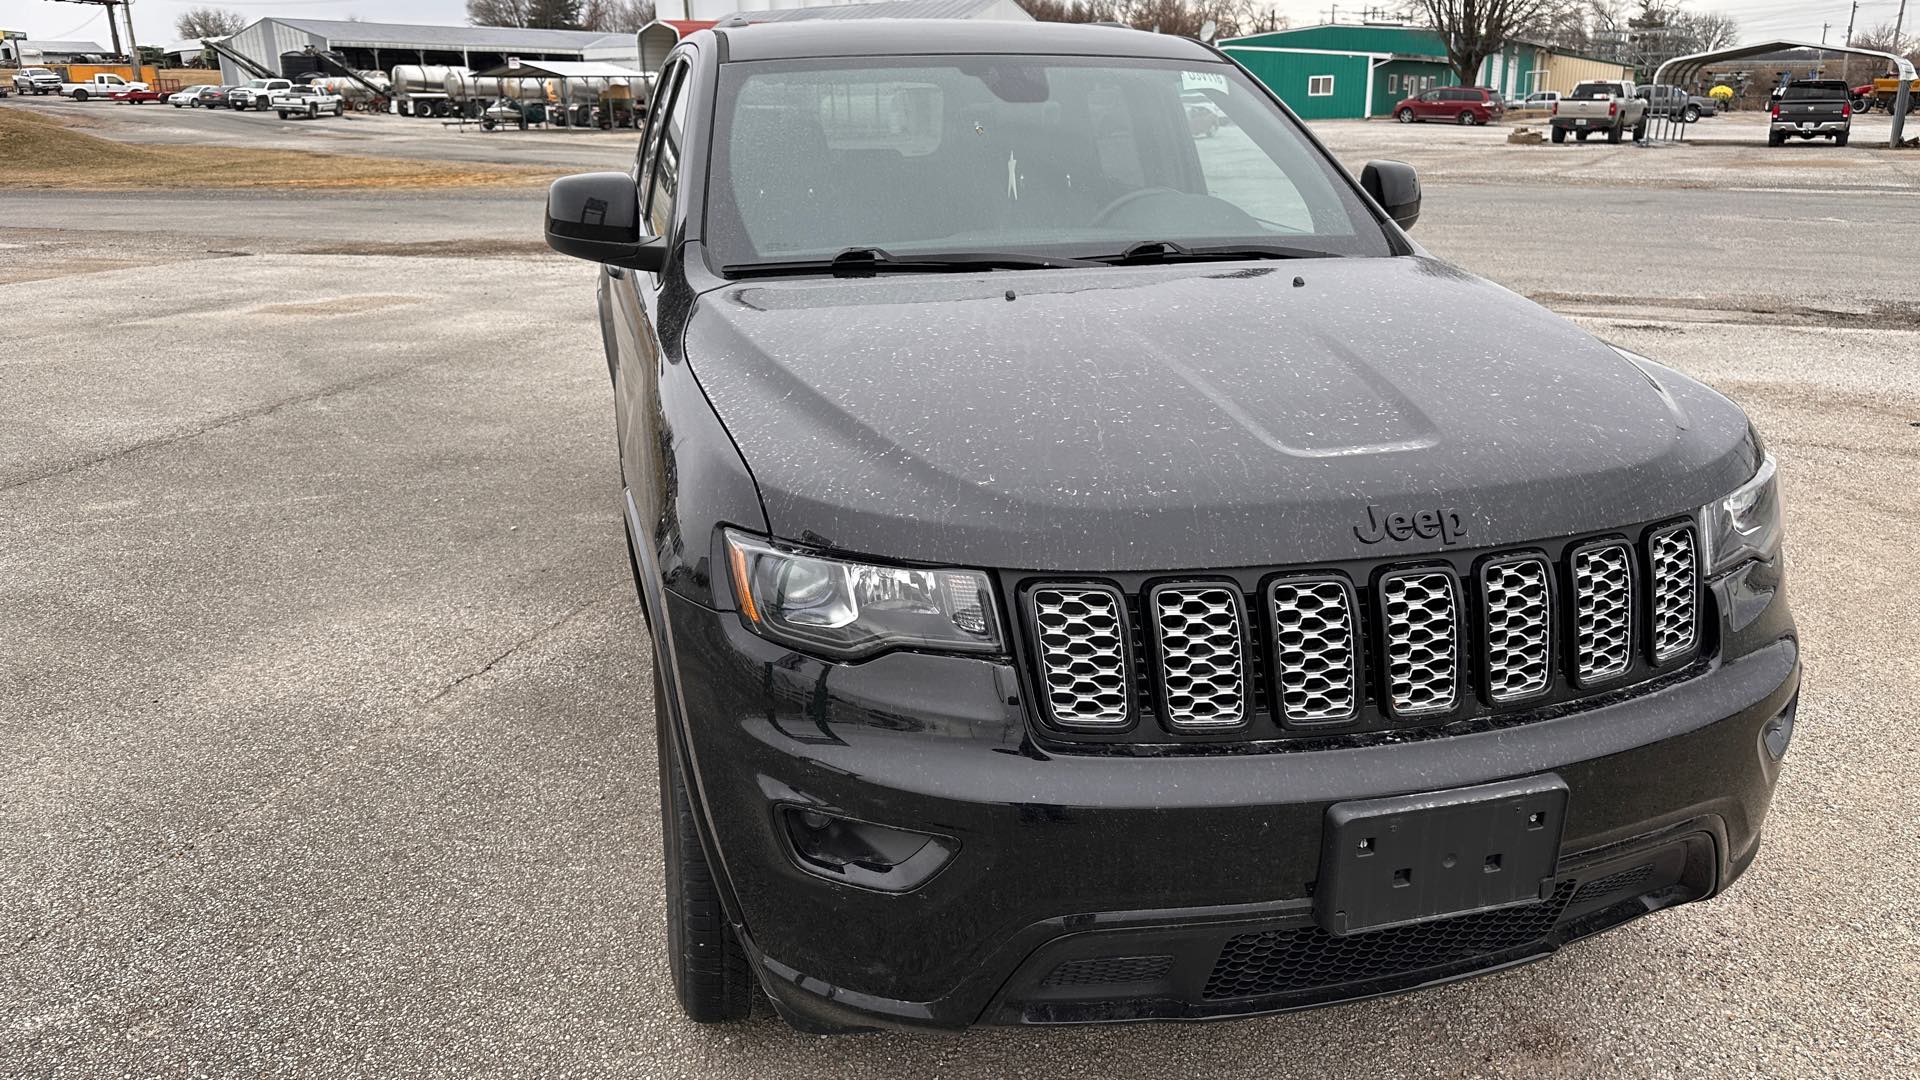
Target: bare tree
1231,18
1883,39
1705,31
532,14
1476,29
616,16
207,22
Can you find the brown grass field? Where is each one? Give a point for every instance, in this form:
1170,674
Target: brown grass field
40,152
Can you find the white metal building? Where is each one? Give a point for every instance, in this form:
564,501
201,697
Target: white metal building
369,45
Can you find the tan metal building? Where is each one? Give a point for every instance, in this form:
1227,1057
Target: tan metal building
1563,71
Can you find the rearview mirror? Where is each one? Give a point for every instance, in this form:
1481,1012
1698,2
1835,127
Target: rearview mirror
1395,186
596,217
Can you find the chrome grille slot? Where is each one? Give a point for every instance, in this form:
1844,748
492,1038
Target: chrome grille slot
1603,611
1671,560
1519,608
1199,638
1419,634
1081,633
1314,650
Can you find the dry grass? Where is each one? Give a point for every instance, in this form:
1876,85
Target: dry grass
40,152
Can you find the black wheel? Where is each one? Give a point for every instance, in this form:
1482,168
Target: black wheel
1841,139
1614,133
711,976
1774,138
1465,119
79,95
1559,134
177,105
1690,115
1862,104
282,112
1405,116
1582,135
1640,130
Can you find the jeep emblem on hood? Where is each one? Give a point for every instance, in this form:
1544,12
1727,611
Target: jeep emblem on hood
1446,524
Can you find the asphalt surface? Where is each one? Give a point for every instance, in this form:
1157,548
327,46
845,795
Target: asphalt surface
325,739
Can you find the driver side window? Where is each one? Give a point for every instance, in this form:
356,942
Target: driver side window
659,111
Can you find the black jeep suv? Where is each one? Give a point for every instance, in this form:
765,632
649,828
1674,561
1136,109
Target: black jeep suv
1099,573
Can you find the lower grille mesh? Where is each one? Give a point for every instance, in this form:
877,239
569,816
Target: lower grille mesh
1108,970
1307,958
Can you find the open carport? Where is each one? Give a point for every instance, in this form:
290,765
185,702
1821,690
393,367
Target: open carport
1682,70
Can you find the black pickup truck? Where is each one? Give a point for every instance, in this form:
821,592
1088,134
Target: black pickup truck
1810,107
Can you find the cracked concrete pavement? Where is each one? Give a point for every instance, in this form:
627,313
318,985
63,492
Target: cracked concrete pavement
325,734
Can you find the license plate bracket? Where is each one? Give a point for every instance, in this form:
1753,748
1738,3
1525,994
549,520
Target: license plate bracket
1413,858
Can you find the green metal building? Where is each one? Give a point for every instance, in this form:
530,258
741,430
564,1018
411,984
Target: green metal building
1354,71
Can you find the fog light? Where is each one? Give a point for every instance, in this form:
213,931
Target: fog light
1779,730
862,853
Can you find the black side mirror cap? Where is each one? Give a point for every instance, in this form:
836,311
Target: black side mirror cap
1396,187
596,217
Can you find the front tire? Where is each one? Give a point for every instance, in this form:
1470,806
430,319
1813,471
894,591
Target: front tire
1405,116
79,95
711,975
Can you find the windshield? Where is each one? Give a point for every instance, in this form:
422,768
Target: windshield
1036,156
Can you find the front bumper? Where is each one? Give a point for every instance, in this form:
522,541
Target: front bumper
1100,887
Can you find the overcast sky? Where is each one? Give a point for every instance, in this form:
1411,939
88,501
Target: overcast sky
153,19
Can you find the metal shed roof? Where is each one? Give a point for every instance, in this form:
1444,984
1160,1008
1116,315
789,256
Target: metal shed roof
560,69
896,9
370,35
64,46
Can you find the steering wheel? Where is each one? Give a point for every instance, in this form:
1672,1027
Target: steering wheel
1129,199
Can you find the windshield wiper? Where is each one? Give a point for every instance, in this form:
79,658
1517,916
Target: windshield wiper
867,261
1166,251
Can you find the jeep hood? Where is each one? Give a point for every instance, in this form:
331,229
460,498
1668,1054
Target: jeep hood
1160,418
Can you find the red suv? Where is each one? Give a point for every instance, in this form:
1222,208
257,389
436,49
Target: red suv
1460,104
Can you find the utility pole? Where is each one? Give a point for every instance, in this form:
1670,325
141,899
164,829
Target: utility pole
1823,32
133,48
1898,20
1850,16
1333,16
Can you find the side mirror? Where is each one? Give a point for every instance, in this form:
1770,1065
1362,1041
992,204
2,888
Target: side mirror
1395,186
596,217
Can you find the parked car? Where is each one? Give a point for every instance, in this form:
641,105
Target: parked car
256,94
1672,101
1069,602
198,97
306,100
1605,106
1539,99
36,80
1810,108
100,85
1455,104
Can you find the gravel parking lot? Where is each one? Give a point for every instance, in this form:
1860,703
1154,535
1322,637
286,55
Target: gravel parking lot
324,720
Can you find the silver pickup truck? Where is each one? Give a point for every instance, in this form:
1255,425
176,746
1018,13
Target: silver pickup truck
1608,106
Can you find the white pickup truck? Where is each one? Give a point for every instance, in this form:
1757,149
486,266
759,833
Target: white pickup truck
256,94
1607,105
99,86
308,101
36,80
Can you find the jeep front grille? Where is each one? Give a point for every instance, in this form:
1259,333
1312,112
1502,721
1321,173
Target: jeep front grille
1314,650
1083,655
1363,647
1670,558
1419,609
1603,611
1202,673
1519,635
